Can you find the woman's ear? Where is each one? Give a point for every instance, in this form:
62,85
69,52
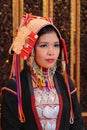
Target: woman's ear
64,50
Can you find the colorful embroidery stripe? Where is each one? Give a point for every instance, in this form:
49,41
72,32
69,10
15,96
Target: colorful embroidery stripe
9,90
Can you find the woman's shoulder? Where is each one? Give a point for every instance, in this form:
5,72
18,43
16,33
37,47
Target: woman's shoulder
59,76
11,82
24,73
10,86
62,79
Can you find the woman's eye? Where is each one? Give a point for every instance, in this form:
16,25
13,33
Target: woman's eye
43,45
57,45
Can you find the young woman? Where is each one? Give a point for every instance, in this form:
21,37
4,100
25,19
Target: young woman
41,96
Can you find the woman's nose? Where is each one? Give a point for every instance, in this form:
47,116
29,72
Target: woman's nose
50,51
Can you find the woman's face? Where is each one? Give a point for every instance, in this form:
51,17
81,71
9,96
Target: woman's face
47,50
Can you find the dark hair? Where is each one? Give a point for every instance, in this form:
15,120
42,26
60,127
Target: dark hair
47,29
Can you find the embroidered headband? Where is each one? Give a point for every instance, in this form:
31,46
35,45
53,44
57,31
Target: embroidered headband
27,35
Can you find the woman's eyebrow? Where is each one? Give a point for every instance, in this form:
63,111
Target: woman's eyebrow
58,42
42,43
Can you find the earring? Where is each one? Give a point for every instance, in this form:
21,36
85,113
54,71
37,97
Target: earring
31,58
54,69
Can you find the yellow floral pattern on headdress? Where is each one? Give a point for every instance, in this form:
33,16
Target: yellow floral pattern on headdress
20,40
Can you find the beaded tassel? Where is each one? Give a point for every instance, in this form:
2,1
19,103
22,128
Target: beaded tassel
18,84
46,81
68,87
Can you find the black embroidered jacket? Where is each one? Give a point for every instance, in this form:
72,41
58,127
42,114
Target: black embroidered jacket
9,116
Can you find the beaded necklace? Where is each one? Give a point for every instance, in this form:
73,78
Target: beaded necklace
42,77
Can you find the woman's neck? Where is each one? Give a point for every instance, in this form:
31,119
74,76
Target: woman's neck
43,71
42,77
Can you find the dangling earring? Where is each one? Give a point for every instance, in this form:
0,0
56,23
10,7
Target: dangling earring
31,58
53,69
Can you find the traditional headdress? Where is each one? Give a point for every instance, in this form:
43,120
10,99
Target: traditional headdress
22,47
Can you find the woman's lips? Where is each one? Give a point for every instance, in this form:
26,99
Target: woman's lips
50,60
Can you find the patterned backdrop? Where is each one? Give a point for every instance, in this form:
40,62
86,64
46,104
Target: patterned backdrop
34,7
83,61
61,18
5,39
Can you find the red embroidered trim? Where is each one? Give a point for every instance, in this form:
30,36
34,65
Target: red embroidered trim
47,104
60,112
9,90
47,118
35,113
